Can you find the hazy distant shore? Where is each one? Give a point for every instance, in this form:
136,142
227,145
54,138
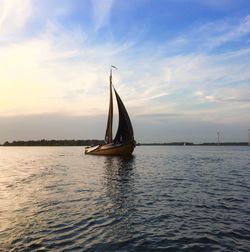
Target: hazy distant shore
90,142
195,144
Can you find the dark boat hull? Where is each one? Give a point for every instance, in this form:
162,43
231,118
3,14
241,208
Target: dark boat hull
111,149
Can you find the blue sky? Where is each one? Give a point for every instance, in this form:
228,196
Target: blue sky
183,68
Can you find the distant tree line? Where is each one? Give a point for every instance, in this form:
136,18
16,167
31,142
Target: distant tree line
173,143
44,142
90,142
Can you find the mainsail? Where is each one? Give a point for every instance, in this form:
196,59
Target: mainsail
125,130
108,135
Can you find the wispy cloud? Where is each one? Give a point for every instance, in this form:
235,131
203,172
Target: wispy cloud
226,95
101,12
209,36
231,33
13,16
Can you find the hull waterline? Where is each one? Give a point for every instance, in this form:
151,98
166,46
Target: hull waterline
111,149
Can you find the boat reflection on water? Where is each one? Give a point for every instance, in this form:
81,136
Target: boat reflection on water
120,190
119,178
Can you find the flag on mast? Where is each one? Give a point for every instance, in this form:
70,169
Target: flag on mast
114,67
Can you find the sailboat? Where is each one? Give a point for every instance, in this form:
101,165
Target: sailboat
123,144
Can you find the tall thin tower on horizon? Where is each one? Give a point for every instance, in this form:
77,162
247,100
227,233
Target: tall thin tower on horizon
249,137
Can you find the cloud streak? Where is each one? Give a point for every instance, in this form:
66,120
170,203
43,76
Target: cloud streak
13,16
101,12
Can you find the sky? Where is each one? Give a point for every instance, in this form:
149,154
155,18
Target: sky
183,68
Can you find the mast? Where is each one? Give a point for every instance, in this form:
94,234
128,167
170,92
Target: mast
108,135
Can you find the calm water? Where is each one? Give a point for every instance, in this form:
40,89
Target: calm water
161,199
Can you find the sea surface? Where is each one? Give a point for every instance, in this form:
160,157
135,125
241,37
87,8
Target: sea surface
163,198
